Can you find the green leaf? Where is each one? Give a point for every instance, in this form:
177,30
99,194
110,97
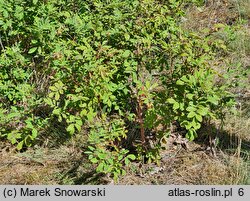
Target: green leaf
19,12
91,148
184,54
127,36
198,117
197,126
59,84
190,96
53,88
94,160
13,114
131,156
190,135
51,95
60,118
147,85
179,82
57,96
120,157
191,114
171,100
34,133
32,50
71,119
102,155
100,167
57,111
176,106
111,161
127,161
123,172
83,113
126,53
90,115
78,127
188,125
191,109
203,111
79,122
20,145
71,129
213,99
182,106
184,78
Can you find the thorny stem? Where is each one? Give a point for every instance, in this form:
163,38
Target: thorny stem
140,118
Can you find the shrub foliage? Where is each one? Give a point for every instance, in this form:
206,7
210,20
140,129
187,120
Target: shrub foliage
102,67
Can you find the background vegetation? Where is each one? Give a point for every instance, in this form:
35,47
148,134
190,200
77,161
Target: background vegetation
113,84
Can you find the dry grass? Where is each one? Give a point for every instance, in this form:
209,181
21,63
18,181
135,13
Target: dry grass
66,165
196,167
243,7
37,165
197,19
203,169
21,174
238,126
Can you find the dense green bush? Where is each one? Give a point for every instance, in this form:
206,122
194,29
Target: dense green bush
103,66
